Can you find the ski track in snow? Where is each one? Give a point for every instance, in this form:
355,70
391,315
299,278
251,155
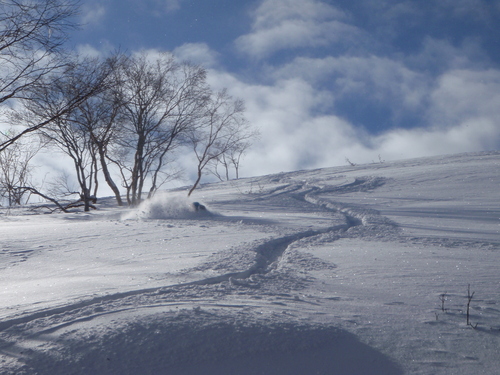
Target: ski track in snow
261,302
267,254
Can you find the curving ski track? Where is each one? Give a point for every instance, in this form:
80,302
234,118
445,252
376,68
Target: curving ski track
268,253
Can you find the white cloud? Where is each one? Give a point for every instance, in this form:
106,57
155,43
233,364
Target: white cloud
469,136
104,48
272,12
284,24
88,50
441,55
294,136
378,78
198,53
465,95
92,14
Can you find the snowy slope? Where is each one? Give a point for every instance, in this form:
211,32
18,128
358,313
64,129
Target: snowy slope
348,270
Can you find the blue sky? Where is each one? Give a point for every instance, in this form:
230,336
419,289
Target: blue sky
330,80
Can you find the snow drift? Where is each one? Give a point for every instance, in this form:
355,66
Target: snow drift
204,341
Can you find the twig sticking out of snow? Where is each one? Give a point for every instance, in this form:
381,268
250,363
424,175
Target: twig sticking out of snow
442,297
469,299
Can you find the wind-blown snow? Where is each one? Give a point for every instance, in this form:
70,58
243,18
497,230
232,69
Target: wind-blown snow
349,270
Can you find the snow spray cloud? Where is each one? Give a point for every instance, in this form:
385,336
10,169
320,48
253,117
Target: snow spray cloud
167,206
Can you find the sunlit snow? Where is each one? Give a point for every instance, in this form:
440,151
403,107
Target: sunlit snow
349,270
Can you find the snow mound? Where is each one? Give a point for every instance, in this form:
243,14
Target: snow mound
168,206
210,342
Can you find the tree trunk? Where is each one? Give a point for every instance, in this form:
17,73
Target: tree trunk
137,172
195,183
107,177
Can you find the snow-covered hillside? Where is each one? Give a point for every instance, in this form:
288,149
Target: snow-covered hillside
350,270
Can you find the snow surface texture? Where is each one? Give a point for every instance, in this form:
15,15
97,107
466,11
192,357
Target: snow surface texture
352,270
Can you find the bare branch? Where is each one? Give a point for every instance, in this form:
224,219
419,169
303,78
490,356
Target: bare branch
36,192
31,34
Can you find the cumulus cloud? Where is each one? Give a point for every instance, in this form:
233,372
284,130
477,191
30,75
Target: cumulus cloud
466,95
470,136
198,53
323,141
285,24
270,13
88,50
439,55
92,14
295,136
379,78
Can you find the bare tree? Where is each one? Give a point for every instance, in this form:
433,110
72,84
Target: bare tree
102,118
16,170
66,131
222,131
214,168
237,153
230,160
31,36
162,99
